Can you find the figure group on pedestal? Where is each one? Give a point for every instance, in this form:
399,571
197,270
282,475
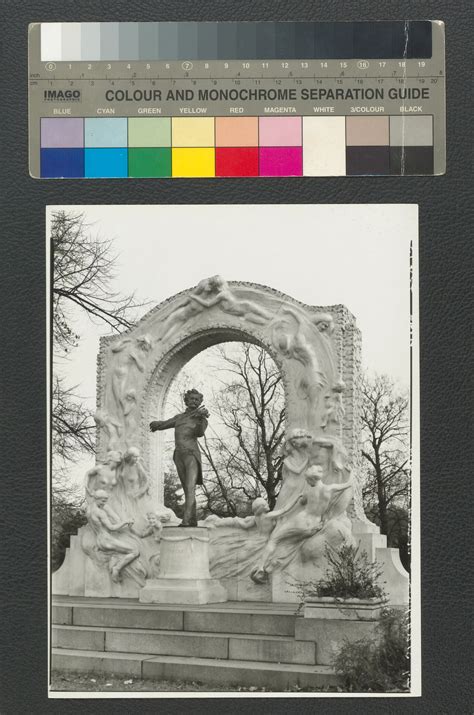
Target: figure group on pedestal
120,517
311,514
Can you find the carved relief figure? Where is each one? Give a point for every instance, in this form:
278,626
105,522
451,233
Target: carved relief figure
296,458
318,504
293,344
229,303
262,519
188,426
129,416
328,501
133,475
103,476
129,358
106,526
112,429
328,452
334,408
187,309
233,553
154,526
324,323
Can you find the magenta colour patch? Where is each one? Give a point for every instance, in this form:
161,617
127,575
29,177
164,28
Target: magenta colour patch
281,161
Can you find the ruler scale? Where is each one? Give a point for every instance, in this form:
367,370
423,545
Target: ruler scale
230,99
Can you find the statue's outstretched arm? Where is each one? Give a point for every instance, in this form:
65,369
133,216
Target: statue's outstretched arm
163,424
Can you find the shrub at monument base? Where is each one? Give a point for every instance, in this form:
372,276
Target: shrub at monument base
344,607
378,664
349,589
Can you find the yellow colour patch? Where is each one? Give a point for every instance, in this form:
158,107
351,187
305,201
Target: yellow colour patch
193,132
193,162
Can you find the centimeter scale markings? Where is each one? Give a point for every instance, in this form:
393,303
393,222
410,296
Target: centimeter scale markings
110,100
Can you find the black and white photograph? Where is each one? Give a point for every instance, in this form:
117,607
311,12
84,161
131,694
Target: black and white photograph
234,481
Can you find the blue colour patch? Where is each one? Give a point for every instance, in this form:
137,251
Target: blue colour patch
105,132
106,163
62,163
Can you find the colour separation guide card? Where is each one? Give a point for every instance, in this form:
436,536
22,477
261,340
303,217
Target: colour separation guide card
236,99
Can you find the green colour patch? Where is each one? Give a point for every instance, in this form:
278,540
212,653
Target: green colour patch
149,131
145,162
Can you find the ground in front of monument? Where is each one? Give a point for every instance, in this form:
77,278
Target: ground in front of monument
234,484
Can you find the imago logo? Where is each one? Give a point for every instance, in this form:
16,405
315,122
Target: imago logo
62,95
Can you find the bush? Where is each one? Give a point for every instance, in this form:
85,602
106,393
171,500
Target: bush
381,664
350,574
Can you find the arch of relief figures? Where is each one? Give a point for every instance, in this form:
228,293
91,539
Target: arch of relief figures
317,350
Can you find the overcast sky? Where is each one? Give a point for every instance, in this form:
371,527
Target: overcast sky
357,255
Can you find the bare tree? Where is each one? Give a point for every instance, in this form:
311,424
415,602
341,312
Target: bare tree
242,458
83,272
82,276
385,448
72,431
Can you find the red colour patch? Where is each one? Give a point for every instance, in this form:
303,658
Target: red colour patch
237,161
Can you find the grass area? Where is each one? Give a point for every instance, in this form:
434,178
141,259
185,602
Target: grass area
97,683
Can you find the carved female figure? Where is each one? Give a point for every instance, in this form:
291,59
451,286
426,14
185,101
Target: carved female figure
104,475
233,553
293,345
133,475
334,408
187,309
319,503
129,357
296,458
111,427
229,303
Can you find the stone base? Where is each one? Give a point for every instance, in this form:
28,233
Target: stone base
184,570
244,589
396,580
183,591
351,609
79,575
330,634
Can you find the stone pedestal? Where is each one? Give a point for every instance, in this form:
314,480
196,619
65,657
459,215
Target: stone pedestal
184,570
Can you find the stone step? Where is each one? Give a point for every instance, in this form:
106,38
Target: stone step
231,617
260,648
277,677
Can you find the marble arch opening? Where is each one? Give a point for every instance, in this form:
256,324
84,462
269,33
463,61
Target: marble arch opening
166,371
